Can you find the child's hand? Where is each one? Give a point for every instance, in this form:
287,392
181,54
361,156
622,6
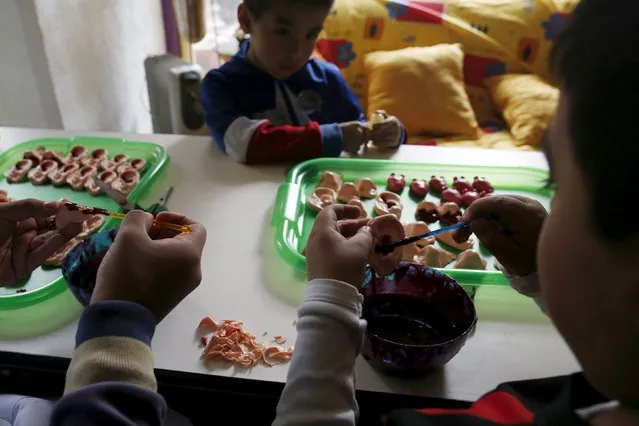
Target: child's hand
153,267
339,245
509,227
388,133
354,135
28,236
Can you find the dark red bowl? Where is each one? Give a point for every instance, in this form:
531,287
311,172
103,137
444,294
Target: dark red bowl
418,318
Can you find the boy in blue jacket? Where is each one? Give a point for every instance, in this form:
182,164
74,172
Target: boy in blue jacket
271,103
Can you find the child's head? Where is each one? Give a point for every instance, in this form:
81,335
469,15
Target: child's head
283,32
589,248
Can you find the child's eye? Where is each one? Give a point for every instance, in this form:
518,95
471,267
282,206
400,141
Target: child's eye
282,31
313,36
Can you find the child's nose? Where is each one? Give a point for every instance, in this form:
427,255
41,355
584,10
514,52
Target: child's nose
294,47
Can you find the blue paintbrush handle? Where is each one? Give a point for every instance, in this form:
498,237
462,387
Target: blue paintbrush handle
390,247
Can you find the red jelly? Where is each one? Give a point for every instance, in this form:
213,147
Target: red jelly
419,188
437,184
482,186
396,183
462,185
468,198
451,196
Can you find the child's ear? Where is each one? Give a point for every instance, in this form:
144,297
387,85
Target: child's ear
244,18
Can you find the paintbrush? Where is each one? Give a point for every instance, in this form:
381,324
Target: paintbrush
96,210
388,248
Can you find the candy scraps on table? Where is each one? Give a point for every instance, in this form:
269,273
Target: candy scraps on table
228,341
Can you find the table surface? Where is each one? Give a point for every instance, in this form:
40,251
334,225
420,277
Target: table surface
243,278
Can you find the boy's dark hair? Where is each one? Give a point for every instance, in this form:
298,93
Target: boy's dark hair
597,66
259,7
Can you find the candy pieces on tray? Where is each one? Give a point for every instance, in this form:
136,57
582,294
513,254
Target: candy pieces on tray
482,186
330,180
347,192
434,257
332,188
447,238
461,184
449,213
419,188
418,228
427,212
366,188
388,203
321,198
78,169
469,259
385,230
396,183
127,179
19,171
358,203
437,184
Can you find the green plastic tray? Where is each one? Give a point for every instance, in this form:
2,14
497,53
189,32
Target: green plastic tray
47,283
293,220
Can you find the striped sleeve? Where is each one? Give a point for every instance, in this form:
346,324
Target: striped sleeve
259,141
111,379
113,343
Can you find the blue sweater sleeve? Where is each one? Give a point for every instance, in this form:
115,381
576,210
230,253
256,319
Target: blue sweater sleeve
110,379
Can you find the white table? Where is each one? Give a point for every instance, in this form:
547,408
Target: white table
243,278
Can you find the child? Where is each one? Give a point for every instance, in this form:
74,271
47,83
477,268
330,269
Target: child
272,103
580,261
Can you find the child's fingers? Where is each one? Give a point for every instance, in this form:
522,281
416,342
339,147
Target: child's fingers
362,241
491,235
330,215
348,228
506,209
462,235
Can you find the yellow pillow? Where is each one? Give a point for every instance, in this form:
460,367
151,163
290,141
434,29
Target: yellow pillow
527,103
423,87
482,104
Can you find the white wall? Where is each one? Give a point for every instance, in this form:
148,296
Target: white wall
77,63
26,93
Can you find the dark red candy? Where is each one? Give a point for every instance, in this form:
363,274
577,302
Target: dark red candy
482,186
419,188
203,341
396,183
462,185
451,196
437,184
449,213
469,198
449,219
427,212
